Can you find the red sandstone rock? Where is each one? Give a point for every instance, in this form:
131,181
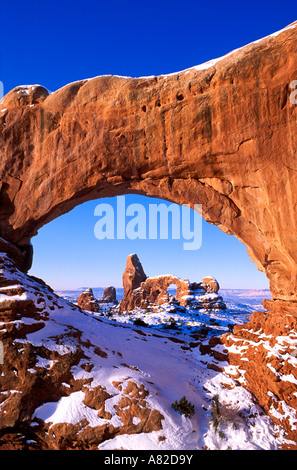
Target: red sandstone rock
134,274
153,290
87,301
211,283
265,350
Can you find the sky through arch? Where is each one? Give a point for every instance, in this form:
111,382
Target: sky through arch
68,255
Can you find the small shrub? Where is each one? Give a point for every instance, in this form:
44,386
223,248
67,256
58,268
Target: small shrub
184,407
139,322
222,435
172,322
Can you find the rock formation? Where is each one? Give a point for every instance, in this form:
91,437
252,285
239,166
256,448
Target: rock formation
56,358
109,295
271,377
134,274
87,301
41,370
212,283
141,291
222,134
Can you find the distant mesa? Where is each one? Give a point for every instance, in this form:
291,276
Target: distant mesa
142,291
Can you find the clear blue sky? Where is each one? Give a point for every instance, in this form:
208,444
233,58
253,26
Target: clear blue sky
54,43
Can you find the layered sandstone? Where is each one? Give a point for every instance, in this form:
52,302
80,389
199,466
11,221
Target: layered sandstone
264,356
221,134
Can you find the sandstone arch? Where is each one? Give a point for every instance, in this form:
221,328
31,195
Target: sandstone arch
154,291
222,135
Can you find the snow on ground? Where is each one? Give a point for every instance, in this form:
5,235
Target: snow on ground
240,304
168,373
166,361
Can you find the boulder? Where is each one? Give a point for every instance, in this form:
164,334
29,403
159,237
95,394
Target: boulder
211,283
87,301
109,295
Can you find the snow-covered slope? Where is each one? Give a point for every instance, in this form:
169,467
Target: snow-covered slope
70,379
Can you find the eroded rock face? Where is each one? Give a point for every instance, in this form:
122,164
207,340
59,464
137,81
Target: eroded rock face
270,376
134,274
221,135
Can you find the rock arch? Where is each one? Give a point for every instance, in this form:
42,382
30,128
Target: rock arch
154,290
222,135
143,292
161,283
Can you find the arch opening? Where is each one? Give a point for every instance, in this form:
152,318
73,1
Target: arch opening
71,258
172,289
